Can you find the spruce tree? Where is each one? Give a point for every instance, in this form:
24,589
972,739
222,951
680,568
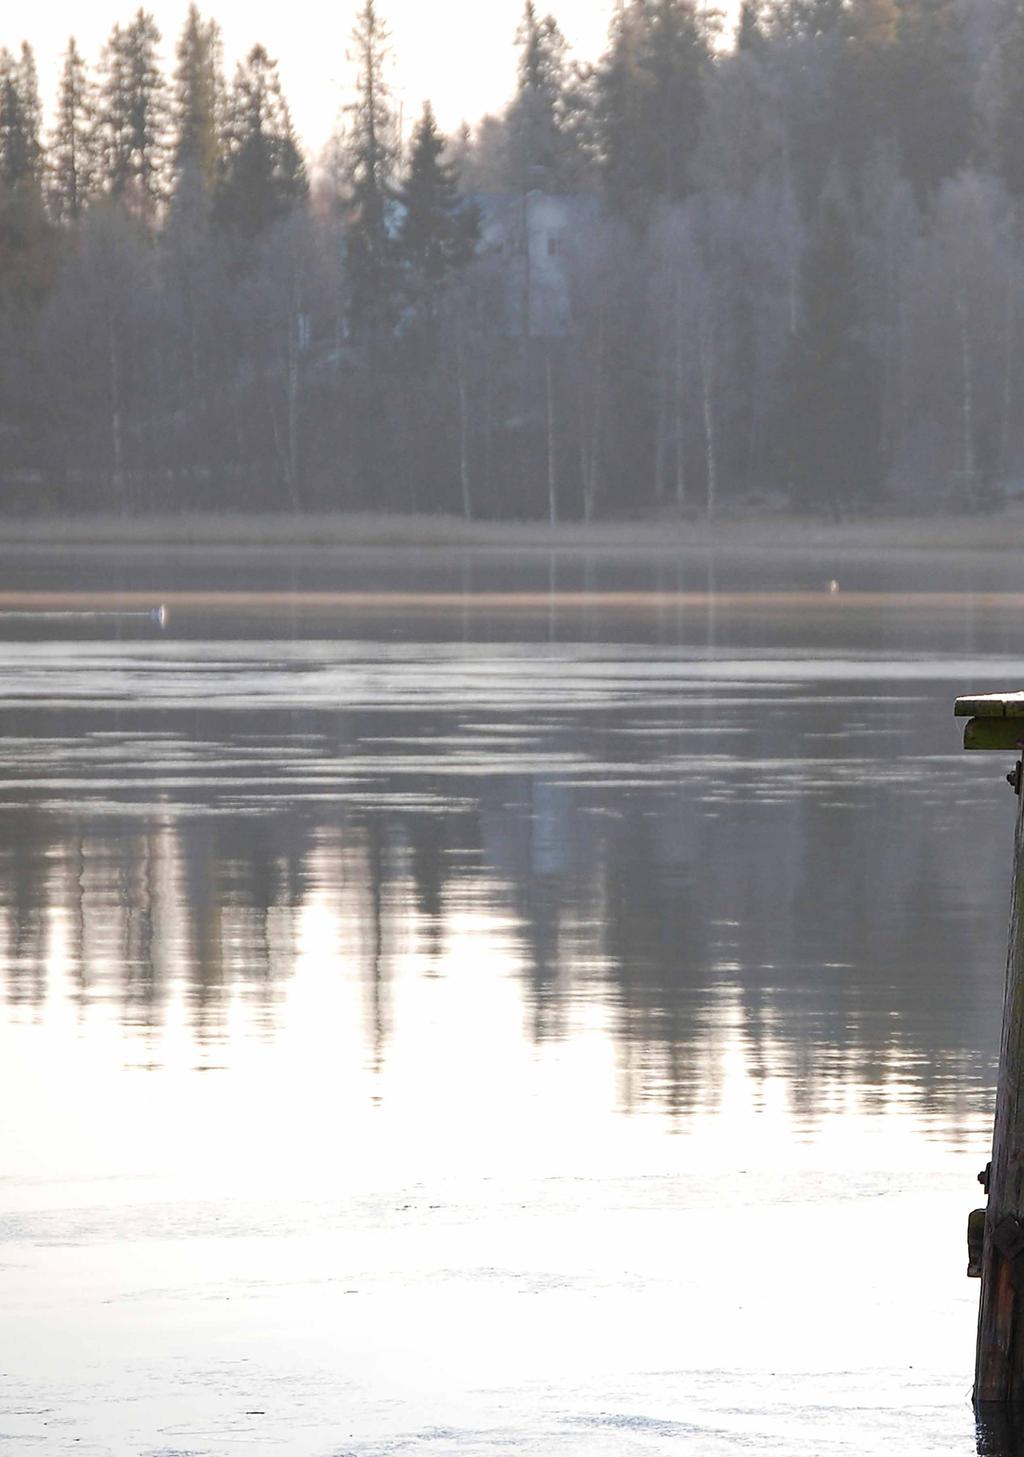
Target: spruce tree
21,152
619,82
535,119
370,165
28,88
132,116
650,101
198,104
71,151
264,176
439,230
676,55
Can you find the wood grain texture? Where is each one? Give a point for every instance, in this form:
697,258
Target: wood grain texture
999,1368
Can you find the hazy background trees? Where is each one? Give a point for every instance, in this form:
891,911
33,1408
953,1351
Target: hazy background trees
705,272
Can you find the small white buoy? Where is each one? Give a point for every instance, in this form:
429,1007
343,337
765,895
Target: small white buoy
833,586
159,615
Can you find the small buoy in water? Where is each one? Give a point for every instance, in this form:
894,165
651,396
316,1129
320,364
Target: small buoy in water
159,615
833,586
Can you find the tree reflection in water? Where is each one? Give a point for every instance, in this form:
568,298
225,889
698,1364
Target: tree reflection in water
688,927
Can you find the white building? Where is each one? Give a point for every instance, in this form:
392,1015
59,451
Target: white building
534,234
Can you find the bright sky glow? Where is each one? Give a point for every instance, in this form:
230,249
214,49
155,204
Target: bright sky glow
457,53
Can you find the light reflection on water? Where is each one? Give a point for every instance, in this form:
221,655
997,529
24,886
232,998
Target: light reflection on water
331,939
632,842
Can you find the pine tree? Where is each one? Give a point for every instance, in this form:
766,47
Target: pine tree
535,118
619,82
71,152
28,87
132,116
650,102
371,161
198,105
439,231
264,176
20,147
27,253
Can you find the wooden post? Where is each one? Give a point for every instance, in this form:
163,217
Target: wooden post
997,723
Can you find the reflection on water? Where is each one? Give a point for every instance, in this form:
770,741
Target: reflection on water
691,850
596,976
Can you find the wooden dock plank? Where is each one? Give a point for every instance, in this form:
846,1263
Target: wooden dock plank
991,705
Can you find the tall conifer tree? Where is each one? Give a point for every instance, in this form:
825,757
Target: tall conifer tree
199,102
28,85
439,230
264,176
370,165
536,116
650,101
132,116
20,148
71,150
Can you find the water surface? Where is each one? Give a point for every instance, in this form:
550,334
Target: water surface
555,1024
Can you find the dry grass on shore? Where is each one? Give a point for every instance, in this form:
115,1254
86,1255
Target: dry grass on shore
998,532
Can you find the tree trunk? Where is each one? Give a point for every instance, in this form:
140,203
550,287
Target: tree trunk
552,450
596,433
1008,378
677,392
967,396
116,426
464,480
710,449
294,399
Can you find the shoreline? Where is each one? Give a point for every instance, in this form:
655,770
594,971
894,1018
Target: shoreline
1001,532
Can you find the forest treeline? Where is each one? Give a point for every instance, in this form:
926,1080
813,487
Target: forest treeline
783,267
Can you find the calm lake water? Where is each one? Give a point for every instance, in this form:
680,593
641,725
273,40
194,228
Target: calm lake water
556,1017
